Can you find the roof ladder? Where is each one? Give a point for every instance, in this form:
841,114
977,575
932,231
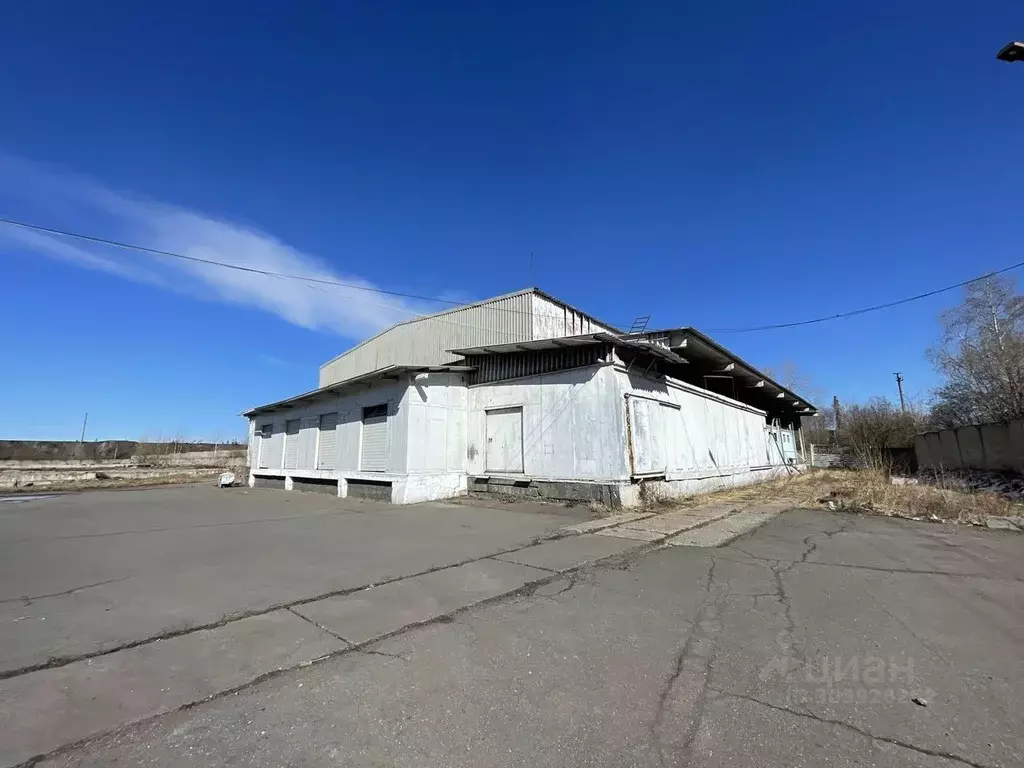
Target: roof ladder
640,324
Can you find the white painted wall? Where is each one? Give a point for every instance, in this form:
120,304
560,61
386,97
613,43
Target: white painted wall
437,405
572,424
705,433
574,429
553,320
349,408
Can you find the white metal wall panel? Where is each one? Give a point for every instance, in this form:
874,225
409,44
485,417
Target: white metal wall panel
553,320
374,457
327,438
291,443
505,440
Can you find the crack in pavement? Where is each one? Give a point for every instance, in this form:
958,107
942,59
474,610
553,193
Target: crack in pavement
573,578
855,729
787,639
382,653
319,626
878,568
29,599
365,647
705,628
61,661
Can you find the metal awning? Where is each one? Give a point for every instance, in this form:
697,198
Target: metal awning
702,356
565,342
389,372
708,355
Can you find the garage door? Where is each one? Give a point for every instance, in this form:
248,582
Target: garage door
505,440
291,444
269,453
326,440
374,448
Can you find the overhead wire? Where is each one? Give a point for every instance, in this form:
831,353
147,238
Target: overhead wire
874,308
457,304
242,268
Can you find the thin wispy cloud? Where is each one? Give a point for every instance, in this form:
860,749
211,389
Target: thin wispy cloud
72,203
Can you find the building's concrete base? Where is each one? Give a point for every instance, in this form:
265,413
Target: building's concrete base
606,494
395,488
616,494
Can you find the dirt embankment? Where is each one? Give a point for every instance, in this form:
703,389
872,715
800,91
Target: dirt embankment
48,473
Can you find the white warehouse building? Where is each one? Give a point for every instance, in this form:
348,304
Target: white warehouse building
525,395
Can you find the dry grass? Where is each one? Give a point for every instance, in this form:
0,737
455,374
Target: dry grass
872,491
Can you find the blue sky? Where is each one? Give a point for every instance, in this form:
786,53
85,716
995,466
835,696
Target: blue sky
716,165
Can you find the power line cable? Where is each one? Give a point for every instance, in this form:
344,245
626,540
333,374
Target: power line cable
252,270
312,282
875,308
456,304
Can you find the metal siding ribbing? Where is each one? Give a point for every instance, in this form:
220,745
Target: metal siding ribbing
427,341
291,444
515,365
375,442
327,438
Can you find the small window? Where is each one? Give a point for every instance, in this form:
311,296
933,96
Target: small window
375,411
267,431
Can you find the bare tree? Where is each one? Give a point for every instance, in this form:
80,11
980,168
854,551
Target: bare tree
818,429
981,356
870,431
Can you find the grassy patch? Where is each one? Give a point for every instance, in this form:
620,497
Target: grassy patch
873,492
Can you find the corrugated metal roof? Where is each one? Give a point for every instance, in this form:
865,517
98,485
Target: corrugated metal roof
481,303
573,341
380,373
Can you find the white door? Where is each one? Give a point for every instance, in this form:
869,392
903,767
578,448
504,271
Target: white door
291,443
647,426
505,440
374,448
327,438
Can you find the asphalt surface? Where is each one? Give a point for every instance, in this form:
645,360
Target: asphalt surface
818,639
82,574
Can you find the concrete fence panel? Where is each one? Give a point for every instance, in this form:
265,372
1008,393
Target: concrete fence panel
949,453
972,452
1015,438
924,456
998,446
995,441
934,449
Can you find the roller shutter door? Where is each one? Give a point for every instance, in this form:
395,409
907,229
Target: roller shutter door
375,439
269,458
327,438
291,443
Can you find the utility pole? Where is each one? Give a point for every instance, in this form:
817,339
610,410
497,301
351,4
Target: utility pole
899,384
835,415
84,422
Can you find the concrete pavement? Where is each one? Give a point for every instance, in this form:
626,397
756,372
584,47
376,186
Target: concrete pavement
803,643
83,574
